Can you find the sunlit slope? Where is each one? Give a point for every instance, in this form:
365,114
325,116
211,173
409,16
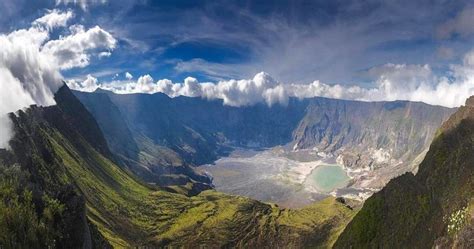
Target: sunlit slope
130,213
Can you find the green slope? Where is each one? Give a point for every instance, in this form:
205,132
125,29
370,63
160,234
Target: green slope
61,148
435,207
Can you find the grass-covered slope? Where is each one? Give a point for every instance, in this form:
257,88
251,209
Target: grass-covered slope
69,165
435,207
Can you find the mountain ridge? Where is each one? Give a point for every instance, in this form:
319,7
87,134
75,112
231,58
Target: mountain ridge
107,204
383,139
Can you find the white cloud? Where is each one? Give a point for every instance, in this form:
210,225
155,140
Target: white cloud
5,131
391,82
145,84
25,67
26,75
394,80
75,49
165,86
191,88
54,19
30,72
84,4
105,54
243,92
128,76
89,84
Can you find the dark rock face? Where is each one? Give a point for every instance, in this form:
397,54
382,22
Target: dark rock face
389,138
416,211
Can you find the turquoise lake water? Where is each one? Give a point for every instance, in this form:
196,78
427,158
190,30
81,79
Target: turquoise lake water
327,178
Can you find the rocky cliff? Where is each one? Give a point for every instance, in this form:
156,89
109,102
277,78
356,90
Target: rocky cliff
432,209
385,139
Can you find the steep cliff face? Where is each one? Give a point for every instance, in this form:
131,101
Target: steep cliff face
385,138
376,140
433,208
82,198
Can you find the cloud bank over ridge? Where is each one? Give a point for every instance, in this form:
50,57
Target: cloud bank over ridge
30,62
391,82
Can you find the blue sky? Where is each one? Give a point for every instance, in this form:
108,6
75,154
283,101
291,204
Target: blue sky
294,41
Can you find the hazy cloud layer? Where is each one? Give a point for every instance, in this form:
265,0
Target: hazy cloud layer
461,24
84,4
30,62
392,82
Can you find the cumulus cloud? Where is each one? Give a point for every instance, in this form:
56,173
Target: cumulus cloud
244,92
262,88
75,49
390,82
89,84
30,71
128,76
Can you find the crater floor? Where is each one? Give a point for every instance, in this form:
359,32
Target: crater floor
278,175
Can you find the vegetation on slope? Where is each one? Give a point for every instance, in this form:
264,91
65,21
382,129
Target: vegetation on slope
20,225
75,178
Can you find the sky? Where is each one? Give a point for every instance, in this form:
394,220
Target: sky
243,52
293,41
